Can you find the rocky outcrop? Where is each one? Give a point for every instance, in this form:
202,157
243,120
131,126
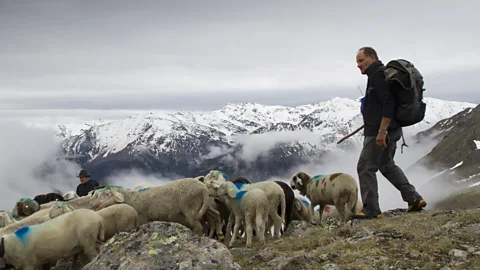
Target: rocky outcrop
162,245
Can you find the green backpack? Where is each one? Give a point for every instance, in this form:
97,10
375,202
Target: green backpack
410,108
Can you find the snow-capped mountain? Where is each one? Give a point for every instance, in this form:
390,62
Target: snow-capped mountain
231,138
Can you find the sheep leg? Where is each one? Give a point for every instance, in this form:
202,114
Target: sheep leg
235,232
312,213
340,205
248,229
74,261
277,220
231,220
260,227
320,213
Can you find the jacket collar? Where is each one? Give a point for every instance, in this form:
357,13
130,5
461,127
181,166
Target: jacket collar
373,67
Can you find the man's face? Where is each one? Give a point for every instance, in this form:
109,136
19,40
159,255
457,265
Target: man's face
84,179
363,62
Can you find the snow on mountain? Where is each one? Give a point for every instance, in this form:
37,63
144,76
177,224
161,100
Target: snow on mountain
244,131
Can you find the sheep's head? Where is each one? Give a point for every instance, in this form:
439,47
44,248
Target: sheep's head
301,209
6,218
59,208
216,175
221,188
299,181
25,207
70,195
105,199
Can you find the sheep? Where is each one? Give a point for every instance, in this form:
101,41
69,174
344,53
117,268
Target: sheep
301,210
6,218
49,197
67,236
289,199
248,206
70,195
25,207
36,218
331,211
142,186
216,175
276,198
177,201
211,221
80,202
338,189
116,218
59,208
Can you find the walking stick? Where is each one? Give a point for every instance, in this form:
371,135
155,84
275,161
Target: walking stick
350,135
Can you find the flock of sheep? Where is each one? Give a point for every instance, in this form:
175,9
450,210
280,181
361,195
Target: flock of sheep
208,205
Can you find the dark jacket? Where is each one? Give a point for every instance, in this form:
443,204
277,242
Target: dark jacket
83,189
379,101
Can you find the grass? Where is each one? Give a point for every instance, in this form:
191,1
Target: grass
422,240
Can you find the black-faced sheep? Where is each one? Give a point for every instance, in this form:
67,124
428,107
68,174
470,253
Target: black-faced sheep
250,207
184,201
338,189
67,236
25,207
49,197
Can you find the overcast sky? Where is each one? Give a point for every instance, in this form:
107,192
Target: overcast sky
196,55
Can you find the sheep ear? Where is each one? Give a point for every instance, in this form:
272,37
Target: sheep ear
231,190
118,197
297,205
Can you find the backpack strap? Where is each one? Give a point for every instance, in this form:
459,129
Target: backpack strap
403,143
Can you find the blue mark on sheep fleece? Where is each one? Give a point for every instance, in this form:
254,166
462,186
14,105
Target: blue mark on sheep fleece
143,189
240,195
23,233
239,185
318,177
305,202
225,176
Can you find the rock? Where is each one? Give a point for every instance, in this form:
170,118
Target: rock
395,212
468,248
473,228
330,266
414,254
458,253
294,263
299,228
162,245
264,255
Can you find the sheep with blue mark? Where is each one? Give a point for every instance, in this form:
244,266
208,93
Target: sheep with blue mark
142,186
184,201
301,210
68,235
250,207
276,199
338,189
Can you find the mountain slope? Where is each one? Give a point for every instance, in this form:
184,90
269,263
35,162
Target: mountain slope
266,140
458,152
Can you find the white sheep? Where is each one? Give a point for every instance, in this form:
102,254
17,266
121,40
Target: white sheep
66,235
214,175
184,201
70,195
116,218
142,186
276,198
330,211
36,218
6,218
301,209
248,206
59,208
338,189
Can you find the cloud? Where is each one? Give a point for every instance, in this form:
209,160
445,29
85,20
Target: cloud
173,55
133,177
29,166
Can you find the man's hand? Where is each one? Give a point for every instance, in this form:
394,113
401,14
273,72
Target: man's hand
381,140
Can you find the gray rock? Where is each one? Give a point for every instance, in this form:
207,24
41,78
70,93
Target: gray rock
458,253
299,228
162,245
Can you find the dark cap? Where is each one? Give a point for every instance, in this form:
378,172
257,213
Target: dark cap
83,173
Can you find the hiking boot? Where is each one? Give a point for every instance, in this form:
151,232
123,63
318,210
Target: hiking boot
362,215
416,205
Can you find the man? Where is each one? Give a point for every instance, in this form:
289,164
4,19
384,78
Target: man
381,134
86,185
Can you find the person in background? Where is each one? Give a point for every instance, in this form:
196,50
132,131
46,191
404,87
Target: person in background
86,185
381,134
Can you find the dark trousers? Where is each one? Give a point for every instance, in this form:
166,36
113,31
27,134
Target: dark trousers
374,158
